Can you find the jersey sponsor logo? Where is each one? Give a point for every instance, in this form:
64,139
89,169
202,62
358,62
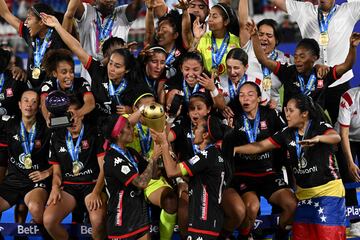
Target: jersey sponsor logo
37,143
62,150
204,203
117,161
263,156
125,169
9,92
313,169
83,173
194,159
320,83
45,88
85,144
263,125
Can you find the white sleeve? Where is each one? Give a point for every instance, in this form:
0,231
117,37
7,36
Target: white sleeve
121,13
85,13
344,117
354,8
294,8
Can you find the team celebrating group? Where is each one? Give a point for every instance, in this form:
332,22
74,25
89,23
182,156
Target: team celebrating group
229,137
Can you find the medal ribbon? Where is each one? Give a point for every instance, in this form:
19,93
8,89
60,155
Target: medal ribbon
232,92
103,33
252,131
194,146
119,90
266,71
218,54
299,151
171,57
40,49
126,154
145,139
74,151
27,140
2,81
324,21
186,90
307,90
151,85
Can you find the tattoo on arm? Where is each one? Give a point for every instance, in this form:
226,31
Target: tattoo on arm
142,180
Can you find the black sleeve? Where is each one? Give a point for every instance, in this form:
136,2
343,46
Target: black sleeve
122,169
279,138
198,163
85,86
278,121
52,152
282,72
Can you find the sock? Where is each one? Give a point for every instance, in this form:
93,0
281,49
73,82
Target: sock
166,225
245,231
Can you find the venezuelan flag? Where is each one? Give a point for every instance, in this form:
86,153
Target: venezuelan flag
321,218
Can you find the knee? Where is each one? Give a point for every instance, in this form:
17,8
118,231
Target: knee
252,208
239,212
49,221
97,219
37,210
290,205
169,202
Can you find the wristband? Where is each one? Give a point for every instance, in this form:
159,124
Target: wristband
214,93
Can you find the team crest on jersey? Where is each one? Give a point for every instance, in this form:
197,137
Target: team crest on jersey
320,83
125,169
263,125
85,144
9,92
194,159
45,88
37,143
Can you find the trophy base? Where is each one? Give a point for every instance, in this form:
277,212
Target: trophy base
59,122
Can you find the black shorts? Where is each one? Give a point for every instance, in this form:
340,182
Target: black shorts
262,186
13,194
4,158
79,192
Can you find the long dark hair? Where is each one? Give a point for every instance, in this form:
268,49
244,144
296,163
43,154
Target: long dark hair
272,23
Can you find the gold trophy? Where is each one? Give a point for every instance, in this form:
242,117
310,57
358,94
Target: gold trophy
154,117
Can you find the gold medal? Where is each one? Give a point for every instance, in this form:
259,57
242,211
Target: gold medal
76,168
266,83
36,73
215,72
27,162
324,39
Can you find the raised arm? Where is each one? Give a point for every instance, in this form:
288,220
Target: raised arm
243,12
149,23
73,44
259,52
8,16
133,9
351,57
186,33
256,147
69,15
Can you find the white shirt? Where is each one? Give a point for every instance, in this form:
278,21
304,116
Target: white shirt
349,113
255,71
341,26
87,30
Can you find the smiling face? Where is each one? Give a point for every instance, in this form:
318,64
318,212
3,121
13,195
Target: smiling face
116,67
248,97
29,104
304,60
191,69
65,74
235,69
197,109
34,24
155,65
267,38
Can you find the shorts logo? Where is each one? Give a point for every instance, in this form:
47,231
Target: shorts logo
243,186
85,144
263,125
37,144
9,92
320,83
125,169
